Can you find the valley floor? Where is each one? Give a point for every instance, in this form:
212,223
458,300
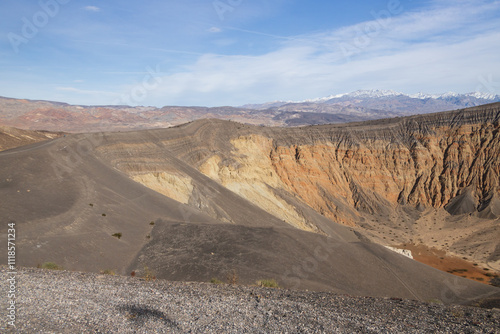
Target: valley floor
71,302
455,265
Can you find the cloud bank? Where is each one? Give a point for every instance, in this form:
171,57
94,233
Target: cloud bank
448,47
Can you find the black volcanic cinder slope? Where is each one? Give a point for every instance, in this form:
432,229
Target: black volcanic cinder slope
299,260
69,196
66,207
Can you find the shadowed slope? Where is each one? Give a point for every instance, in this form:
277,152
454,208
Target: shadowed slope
299,260
66,207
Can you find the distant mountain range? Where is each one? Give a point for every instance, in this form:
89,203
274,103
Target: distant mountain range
390,93
361,105
385,100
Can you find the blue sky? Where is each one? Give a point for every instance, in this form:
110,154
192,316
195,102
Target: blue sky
233,52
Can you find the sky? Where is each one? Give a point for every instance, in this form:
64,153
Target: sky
235,52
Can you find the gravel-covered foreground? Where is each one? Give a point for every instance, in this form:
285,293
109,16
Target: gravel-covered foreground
74,302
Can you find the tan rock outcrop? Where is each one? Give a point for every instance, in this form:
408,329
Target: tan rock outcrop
177,187
253,178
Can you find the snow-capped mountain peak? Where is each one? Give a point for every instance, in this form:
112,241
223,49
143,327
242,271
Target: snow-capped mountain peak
484,96
477,95
374,93
377,93
364,96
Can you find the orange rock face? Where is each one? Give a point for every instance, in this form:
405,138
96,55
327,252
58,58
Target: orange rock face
432,171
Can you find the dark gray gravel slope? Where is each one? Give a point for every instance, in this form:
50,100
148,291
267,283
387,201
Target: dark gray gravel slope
74,302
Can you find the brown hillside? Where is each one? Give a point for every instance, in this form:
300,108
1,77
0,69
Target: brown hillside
12,137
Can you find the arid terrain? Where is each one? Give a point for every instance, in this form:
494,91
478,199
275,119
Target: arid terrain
309,207
430,180
12,137
234,166
55,116
352,107
75,302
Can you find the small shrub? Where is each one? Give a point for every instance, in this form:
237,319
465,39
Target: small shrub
117,235
91,204
50,266
108,272
435,301
104,215
495,282
216,281
148,274
152,223
232,277
268,283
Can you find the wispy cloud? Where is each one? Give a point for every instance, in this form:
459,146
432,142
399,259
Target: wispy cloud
437,25
92,8
441,48
86,92
433,46
215,29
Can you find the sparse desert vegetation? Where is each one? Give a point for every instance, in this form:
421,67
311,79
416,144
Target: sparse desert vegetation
268,283
50,266
232,277
148,274
216,281
108,272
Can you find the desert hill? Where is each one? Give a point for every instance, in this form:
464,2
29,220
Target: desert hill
353,107
214,197
12,137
